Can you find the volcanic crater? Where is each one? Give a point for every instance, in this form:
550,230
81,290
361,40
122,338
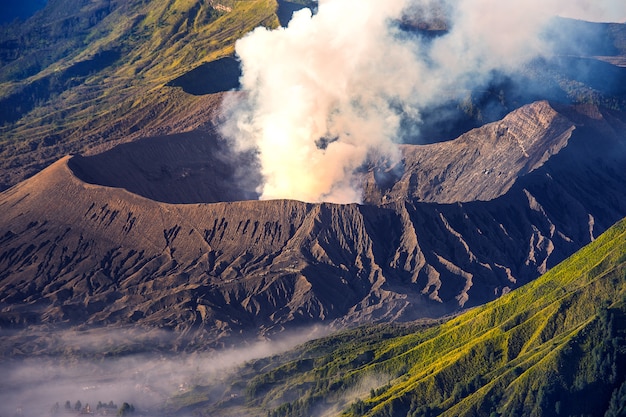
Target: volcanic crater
183,168
157,232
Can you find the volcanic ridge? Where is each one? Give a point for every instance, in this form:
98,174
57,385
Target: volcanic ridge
105,240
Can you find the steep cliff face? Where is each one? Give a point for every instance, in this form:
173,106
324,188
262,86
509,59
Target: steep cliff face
447,235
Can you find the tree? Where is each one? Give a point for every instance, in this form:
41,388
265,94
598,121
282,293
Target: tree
617,404
126,409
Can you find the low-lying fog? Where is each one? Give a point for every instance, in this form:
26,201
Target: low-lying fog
87,366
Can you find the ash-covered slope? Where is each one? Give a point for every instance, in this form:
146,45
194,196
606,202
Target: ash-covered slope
87,254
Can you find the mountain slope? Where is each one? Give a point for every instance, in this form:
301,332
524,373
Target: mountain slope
488,160
81,74
75,253
556,346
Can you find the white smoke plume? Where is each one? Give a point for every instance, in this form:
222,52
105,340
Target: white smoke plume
331,89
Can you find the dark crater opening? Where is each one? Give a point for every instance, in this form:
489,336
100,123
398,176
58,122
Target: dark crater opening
286,9
211,77
193,167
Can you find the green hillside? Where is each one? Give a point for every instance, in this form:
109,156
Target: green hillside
555,347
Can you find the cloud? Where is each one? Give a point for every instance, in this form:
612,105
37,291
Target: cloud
322,95
99,365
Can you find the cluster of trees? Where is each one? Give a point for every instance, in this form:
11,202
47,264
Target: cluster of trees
300,407
109,408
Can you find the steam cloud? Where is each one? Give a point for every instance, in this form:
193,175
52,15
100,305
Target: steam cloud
335,87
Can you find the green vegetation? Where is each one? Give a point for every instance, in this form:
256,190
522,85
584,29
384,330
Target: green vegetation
555,347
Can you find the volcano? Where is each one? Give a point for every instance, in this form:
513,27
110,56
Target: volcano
141,259
126,237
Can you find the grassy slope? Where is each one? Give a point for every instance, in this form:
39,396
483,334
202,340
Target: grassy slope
553,341
554,347
56,97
